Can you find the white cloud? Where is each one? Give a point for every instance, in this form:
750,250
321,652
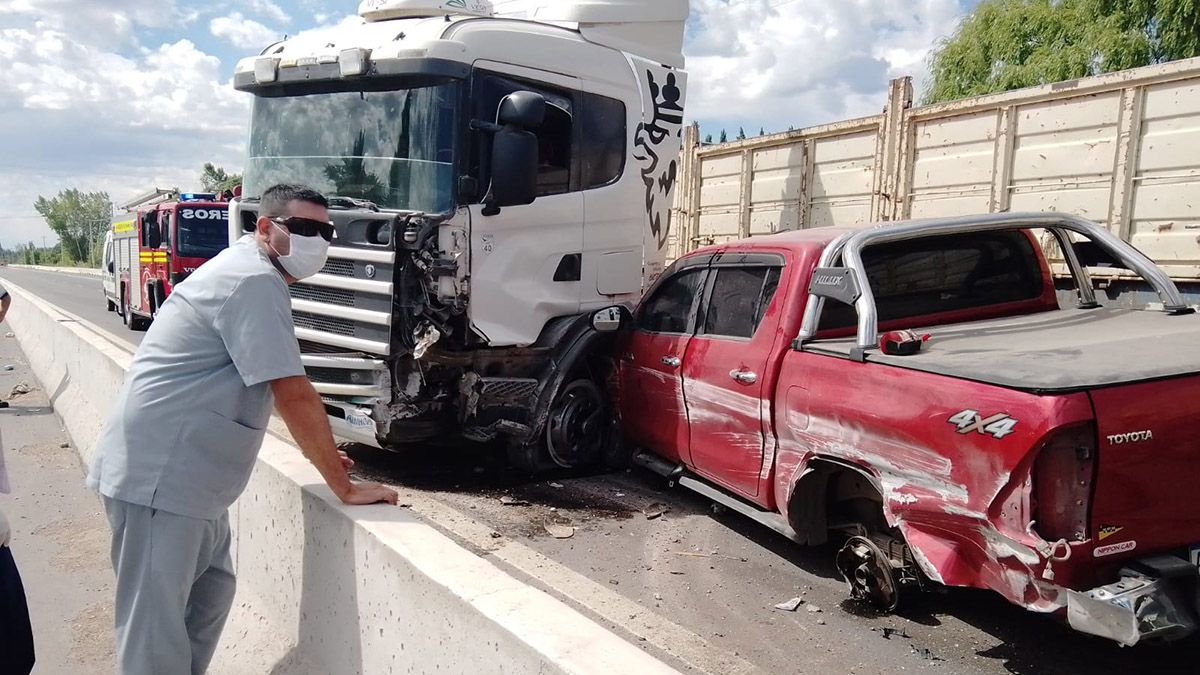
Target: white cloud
269,10
242,32
108,22
762,63
73,114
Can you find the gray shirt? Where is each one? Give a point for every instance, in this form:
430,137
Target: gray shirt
194,409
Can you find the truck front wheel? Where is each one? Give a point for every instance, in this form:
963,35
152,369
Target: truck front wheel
577,428
577,431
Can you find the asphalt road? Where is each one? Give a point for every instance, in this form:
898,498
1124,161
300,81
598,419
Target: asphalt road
695,585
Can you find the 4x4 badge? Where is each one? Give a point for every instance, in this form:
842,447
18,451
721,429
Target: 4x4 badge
998,425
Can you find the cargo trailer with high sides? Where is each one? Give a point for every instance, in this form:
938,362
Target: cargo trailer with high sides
1117,149
494,181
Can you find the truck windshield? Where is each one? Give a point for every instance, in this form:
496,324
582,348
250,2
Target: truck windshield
202,231
395,148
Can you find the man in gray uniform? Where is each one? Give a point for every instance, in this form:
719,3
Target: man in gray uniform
180,446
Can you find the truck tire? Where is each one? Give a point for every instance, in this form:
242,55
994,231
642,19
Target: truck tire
576,434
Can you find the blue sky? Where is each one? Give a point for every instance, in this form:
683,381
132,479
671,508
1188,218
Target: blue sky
127,95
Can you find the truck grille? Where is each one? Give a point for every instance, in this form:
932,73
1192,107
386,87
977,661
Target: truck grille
327,324
308,347
331,296
341,376
338,267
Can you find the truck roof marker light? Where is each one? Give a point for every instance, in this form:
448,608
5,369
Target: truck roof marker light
353,62
266,70
197,197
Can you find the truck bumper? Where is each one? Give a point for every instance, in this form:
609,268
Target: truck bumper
1154,600
350,423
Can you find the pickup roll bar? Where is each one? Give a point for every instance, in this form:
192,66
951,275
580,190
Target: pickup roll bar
849,246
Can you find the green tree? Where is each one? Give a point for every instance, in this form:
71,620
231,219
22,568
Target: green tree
80,220
762,131
1009,44
724,137
708,139
215,179
741,134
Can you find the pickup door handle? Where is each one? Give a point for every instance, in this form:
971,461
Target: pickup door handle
744,376
672,361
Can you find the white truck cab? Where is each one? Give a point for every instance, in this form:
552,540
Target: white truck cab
495,180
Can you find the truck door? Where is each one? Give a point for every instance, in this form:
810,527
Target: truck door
724,370
533,250
653,412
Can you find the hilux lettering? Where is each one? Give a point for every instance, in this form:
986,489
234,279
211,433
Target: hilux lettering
827,280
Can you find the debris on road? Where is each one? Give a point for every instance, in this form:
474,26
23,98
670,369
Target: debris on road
887,632
813,608
555,485
655,510
718,509
20,390
925,653
513,501
790,605
820,622
9,367
711,555
9,335
558,530
64,445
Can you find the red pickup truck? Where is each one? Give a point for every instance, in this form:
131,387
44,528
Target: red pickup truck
1039,451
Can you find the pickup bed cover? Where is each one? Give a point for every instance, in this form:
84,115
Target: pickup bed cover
1052,352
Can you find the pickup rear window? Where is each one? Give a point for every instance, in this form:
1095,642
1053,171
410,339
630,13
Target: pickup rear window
933,275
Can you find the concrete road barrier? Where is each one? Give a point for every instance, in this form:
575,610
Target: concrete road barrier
82,271
325,588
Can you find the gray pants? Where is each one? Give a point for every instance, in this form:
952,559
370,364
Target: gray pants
175,587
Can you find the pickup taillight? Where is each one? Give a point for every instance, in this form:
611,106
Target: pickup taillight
1063,476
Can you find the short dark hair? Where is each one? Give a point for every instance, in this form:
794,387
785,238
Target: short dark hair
276,198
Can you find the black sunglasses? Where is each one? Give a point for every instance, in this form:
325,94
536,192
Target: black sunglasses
306,227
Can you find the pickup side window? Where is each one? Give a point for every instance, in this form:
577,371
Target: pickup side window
672,305
740,297
933,275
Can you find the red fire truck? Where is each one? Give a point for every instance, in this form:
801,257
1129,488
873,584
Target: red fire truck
161,239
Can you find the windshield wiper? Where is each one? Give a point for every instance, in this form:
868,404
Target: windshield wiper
343,202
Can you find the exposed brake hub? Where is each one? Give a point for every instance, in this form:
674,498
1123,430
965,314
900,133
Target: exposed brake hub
869,572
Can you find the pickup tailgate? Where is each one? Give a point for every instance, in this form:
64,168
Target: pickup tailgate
1147,497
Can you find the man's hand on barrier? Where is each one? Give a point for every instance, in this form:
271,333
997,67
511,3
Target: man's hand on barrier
369,493
347,463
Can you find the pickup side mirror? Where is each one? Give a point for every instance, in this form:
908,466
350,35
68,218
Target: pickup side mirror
610,319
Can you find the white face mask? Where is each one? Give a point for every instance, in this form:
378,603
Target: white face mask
306,257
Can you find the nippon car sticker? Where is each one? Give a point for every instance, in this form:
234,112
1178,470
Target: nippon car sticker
1113,549
997,426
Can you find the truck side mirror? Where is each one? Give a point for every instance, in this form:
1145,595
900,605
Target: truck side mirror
154,234
110,267
513,162
514,167
524,109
